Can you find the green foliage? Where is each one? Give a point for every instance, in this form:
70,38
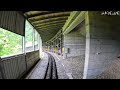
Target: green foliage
28,32
10,43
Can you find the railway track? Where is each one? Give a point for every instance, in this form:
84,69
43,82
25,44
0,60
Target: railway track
51,71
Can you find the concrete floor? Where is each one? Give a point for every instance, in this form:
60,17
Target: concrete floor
39,70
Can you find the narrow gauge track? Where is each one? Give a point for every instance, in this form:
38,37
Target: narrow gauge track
51,71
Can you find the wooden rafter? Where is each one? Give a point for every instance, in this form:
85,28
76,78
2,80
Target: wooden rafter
51,29
53,26
50,20
35,13
46,16
49,23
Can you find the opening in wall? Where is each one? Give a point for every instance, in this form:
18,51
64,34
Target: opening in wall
36,40
10,43
28,37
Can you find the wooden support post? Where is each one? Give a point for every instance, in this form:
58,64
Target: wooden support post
1,69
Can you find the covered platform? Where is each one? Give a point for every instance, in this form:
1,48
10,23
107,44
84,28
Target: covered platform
59,45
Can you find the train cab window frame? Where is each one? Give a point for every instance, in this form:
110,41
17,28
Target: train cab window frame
29,37
36,40
10,43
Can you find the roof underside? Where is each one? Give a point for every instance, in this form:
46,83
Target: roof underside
47,23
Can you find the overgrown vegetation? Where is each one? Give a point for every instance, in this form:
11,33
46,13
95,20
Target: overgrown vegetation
10,43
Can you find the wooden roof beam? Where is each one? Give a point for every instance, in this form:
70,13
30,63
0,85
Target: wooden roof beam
49,29
30,13
50,23
51,19
48,33
46,16
37,13
53,26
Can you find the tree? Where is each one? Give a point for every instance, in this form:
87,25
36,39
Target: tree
10,43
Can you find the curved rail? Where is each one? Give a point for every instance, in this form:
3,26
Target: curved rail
51,72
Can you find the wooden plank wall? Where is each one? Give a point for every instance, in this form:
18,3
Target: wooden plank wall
13,66
12,21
